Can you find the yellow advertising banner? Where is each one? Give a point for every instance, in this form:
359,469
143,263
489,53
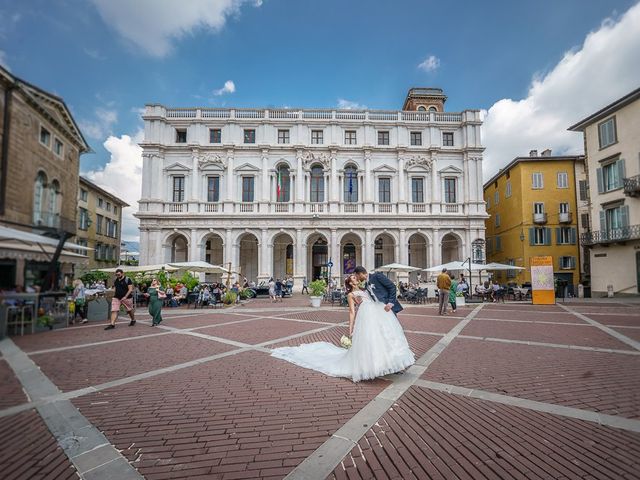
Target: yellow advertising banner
542,285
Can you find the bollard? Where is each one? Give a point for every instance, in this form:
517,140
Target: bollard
580,290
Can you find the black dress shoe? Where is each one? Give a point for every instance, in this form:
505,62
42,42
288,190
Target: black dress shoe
132,323
109,327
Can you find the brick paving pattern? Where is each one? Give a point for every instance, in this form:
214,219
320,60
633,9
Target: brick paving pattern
29,451
248,415
430,434
602,382
11,392
83,367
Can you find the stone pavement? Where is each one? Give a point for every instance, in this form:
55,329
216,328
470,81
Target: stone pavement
498,391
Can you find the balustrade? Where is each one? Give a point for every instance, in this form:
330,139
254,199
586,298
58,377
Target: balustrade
350,208
281,207
211,207
452,208
418,208
175,207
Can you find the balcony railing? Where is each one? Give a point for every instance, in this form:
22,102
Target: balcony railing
211,207
615,235
418,208
317,208
452,208
384,207
349,208
175,207
281,207
246,207
315,114
565,217
632,186
539,218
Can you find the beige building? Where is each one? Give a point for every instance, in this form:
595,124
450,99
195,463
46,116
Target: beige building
99,224
39,164
612,150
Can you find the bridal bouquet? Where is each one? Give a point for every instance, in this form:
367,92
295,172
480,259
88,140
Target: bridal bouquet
345,341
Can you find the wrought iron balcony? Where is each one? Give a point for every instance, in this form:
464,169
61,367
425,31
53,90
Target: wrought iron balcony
632,186
615,235
565,217
539,218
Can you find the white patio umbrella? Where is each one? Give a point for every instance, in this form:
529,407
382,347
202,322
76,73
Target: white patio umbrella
199,267
457,265
11,234
139,268
501,266
397,267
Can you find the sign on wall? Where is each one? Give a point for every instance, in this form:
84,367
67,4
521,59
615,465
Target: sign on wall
542,287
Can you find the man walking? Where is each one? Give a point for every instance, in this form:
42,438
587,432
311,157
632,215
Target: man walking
123,296
444,285
305,286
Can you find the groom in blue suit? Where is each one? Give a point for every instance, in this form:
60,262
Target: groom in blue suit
380,288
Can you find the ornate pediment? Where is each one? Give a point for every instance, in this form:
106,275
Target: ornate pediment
247,167
309,158
450,170
384,169
210,159
177,167
419,161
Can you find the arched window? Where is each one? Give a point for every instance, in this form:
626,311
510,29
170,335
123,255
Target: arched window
421,108
433,109
283,184
317,184
54,204
351,184
38,197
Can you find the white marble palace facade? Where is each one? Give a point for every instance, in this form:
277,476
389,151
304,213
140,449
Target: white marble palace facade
279,192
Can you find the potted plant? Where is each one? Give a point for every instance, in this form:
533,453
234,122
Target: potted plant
460,300
46,321
317,288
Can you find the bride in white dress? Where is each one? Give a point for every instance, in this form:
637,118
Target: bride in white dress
378,347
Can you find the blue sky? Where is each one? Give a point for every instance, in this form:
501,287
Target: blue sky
107,58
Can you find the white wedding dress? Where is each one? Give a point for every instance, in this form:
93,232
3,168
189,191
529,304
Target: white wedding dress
378,347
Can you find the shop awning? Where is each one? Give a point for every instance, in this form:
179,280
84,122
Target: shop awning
8,234
38,253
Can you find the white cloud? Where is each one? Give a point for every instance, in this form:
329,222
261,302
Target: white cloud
122,176
101,126
430,64
153,25
603,69
349,105
93,53
229,87
3,60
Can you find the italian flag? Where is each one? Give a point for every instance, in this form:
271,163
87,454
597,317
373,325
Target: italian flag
279,185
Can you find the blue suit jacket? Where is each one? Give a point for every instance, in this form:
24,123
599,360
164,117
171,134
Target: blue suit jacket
384,290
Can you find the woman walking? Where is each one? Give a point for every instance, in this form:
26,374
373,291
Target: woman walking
272,290
155,302
452,293
80,300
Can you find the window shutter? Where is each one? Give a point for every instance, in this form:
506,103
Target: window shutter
624,215
603,221
558,235
574,236
532,236
573,262
600,180
547,236
621,172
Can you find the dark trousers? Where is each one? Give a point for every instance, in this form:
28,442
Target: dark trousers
304,288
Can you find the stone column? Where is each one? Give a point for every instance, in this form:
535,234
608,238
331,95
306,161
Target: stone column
264,263
194,248
299,261
144,247
368,184
436,197
299,207
194,184
334,254
334,198
402,195
266,194
228,249
403,254
160,256
436,251
230,194
369,260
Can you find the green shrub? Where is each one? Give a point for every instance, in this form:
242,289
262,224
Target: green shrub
318,288
229,298
94,276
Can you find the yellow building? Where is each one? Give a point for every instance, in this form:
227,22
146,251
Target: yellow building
533,211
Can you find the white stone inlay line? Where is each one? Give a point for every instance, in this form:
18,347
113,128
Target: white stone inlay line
577,413
617,335
87,448
326,458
